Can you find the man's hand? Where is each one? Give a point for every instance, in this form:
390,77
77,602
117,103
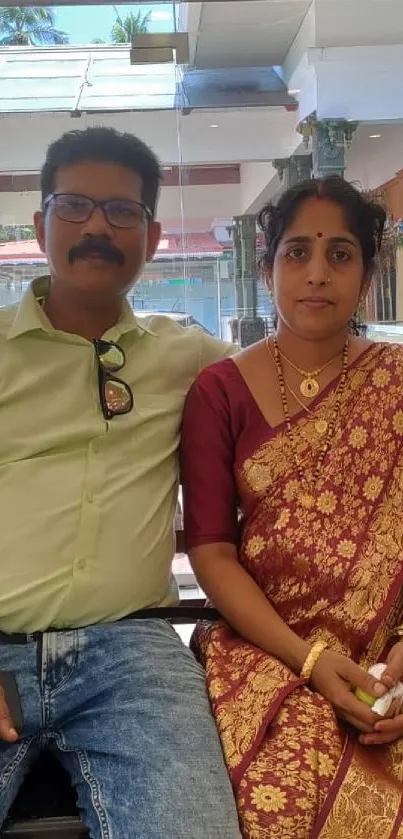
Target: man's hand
7,731
390,728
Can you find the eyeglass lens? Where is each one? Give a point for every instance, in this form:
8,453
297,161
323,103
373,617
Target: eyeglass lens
110,356
119,211
116,395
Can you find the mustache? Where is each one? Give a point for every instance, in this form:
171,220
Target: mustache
100,247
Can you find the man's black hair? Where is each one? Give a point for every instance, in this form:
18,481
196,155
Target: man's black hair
108,146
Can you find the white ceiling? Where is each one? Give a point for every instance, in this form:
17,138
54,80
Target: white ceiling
372,159
252,32
238,135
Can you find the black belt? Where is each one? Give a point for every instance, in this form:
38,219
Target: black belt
168,613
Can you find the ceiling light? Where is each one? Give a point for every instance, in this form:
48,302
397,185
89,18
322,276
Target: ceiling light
375,136
214,125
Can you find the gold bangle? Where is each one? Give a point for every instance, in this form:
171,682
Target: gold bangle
396,632
316,651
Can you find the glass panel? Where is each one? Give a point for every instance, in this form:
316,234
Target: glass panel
100,80
34,66
218,125
225,127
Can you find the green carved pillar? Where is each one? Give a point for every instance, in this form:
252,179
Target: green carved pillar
237,262
293,170
250,327
331,139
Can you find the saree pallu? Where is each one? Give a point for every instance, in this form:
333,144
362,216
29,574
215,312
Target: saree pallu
332,569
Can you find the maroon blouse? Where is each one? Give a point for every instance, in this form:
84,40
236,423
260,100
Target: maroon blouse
222,426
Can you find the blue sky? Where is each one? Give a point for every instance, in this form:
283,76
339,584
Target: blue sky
84,23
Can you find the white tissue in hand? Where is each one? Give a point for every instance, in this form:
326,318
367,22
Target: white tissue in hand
382,705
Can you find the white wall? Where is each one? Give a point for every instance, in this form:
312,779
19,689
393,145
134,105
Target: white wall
358,22
359,83
305,38
200,202
347,60
254,179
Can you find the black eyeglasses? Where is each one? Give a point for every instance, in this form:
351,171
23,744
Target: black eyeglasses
119,212
115,395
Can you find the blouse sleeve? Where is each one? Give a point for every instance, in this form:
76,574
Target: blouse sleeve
207,458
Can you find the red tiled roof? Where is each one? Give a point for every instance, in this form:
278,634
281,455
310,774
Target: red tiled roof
25,249
190,244
194,244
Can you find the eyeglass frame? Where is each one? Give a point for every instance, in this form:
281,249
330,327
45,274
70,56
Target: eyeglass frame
101,204
105,375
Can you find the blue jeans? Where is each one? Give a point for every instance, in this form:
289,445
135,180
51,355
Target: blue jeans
125,707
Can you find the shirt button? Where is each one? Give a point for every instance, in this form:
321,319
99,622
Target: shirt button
81,563
90,497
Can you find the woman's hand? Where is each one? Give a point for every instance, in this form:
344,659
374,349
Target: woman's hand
336,677
394,671
389,728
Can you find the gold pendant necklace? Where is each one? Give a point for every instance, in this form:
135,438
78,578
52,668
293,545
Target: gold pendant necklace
306,492
309,386
321,425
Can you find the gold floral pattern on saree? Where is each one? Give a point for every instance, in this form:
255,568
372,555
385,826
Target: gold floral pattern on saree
329,570
369,799
242,682
300,769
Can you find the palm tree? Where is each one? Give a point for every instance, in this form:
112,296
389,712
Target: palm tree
123,31
26,26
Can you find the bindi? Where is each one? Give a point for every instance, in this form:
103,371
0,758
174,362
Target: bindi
319,235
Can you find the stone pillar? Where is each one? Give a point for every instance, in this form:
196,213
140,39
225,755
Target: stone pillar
328,157
237,262
293,170
251,327
330,139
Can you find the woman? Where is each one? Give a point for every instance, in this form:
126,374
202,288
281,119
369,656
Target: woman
303,434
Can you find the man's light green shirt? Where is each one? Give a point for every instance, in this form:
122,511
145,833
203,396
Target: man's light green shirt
87,506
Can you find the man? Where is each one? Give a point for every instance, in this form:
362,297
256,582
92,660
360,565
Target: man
91,402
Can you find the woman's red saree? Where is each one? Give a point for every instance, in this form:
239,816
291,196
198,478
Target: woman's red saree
333,570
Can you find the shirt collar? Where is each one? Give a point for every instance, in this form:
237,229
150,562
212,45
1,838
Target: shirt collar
30,316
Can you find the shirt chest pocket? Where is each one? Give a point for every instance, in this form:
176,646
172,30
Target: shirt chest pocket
157,421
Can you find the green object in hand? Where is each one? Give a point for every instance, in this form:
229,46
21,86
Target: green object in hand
365,697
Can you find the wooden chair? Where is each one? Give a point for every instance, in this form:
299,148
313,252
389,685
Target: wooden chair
46,806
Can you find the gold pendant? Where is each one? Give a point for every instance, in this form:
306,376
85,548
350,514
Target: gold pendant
307,500
321,426
309,388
